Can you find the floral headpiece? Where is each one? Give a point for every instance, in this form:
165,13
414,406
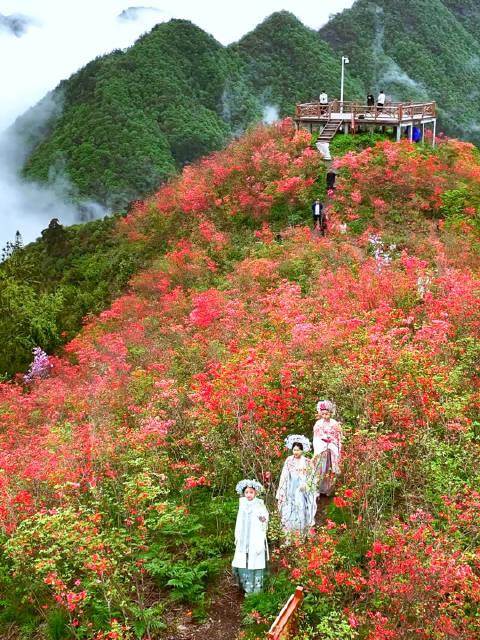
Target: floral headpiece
243,484
293,439
326,405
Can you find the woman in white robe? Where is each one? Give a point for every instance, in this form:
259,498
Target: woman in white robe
251,548
327,447
296,494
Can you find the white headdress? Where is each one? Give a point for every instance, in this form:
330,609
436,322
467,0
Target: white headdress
243,484
326,405
303,440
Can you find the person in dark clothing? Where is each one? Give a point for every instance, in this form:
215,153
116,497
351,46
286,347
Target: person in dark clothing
331,175
319,217
370,103
416,134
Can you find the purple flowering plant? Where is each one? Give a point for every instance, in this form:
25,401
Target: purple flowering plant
40,366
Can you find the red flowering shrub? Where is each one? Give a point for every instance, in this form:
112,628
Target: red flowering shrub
222,346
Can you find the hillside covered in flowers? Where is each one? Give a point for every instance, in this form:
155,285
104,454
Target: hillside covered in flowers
118,460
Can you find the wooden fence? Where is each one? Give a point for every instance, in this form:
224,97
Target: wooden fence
286,622
396,111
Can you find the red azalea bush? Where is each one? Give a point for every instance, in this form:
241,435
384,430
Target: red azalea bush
222,346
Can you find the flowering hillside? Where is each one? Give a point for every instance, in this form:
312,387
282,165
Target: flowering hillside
118,460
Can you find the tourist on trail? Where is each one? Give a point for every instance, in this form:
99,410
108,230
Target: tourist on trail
327,447
251,549
319,217
381,100
323,98
331,175
296,494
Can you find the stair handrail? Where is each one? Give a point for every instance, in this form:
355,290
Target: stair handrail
284,624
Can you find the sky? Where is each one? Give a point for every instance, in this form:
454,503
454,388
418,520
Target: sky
64,35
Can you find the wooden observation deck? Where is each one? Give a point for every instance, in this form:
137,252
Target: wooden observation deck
352,117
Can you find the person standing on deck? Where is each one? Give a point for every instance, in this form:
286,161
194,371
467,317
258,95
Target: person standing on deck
323,98
251,548
381,100
370,103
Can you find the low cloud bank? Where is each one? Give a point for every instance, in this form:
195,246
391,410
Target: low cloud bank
137,13
270,114
15,24
26,206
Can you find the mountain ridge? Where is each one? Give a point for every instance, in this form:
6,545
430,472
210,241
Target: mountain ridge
132,119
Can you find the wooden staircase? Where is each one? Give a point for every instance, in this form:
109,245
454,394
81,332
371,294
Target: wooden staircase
329,130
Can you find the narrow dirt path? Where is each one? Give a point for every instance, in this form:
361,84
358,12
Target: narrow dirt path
322,503
224,616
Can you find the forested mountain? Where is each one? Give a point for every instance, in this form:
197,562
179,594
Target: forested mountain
416,50
288,63
467,12
129,120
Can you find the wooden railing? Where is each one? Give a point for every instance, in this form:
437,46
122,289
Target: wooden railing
285,623
398,111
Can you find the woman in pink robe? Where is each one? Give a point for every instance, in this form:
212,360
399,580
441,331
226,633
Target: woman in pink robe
327,447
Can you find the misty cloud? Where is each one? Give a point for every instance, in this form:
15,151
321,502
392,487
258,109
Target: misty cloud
394,73
270,114
473,63
135,13
379,30
66,37
471,127
24,205
15,24
387,72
